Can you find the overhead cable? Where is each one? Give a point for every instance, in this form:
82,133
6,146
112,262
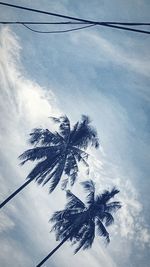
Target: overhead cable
59,31
106,24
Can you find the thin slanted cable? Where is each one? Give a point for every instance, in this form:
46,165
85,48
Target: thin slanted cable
81,28
106,24
59,31
73,22
68,17
90,25
127,29
115,25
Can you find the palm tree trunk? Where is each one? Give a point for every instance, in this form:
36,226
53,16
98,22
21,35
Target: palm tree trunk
15,193
53,251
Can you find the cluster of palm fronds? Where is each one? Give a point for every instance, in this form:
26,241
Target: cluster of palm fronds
59,153
78,220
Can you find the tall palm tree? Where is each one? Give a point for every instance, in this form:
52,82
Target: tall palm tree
77,222
57,153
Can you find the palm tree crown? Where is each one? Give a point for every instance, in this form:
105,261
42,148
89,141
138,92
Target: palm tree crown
77,222
60,152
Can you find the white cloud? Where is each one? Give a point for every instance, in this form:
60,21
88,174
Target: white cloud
5,222
144,237
14,253
107,52
26,105
129,222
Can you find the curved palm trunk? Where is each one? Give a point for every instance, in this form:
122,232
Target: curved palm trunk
15,193
53,251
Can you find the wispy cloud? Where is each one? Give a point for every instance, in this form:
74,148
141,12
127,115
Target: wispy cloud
25,220
129,222
106,51
26,105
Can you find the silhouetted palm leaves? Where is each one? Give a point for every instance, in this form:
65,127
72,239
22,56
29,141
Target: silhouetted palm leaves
60,153
78,221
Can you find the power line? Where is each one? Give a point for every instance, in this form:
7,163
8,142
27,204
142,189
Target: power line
45,23
78,28
72,22
127,29
59,31
70,17
106,24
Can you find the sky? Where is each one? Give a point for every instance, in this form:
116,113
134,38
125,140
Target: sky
103,73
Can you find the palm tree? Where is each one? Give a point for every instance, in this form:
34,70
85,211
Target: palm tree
57,153
77,222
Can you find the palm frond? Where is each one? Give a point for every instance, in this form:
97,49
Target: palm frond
42,169
73,133
113,206
38,153
107,195
87,238
66,222
84,134
39,171
44,137
57,120
74,202
62,229
77,222
102,230
107,218
71,168
64,183
64,215
80,155
55,178
57,216
59,152
89,187
65,127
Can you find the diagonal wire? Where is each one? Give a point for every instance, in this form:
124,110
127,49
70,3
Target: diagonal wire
126,28
106,24
73,22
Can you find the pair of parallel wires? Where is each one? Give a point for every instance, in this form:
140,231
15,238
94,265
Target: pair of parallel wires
77,23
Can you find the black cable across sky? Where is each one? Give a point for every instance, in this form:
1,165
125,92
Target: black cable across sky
117,25
59,31
72,22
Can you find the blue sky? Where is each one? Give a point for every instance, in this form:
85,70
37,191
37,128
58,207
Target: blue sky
100,72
